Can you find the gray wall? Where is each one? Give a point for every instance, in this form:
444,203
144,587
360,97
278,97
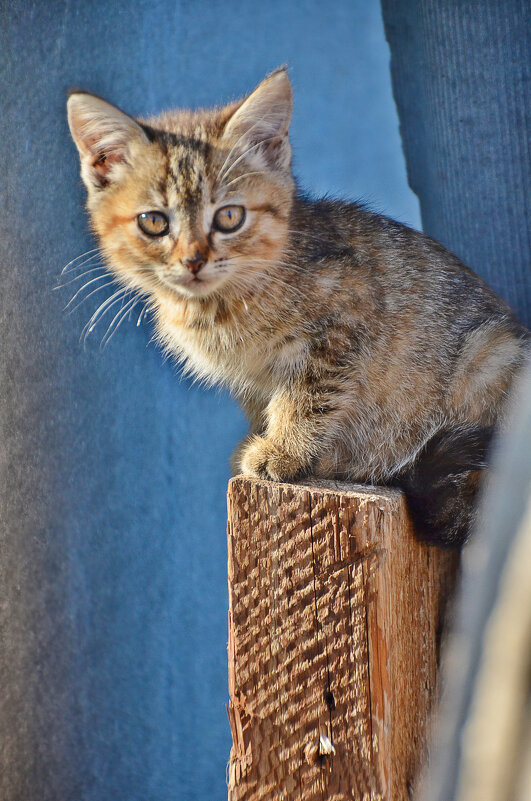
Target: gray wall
113,471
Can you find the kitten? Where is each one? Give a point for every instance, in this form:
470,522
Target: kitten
359,348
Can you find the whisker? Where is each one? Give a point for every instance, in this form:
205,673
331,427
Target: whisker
260,260
89,260
245,153
102,309
244,134
98,289
235,145
245,175
85,285
254,263
275,263
82,255
249,280
146,308
120,316
77,277
268,281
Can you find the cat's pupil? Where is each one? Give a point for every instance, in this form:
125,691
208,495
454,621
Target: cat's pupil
229,218
153,223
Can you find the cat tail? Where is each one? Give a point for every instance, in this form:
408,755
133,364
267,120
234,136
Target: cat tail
442,485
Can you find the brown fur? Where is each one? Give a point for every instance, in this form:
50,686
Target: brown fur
352,342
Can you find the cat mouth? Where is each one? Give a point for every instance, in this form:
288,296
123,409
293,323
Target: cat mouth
193,285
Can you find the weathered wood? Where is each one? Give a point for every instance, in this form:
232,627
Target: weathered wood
334,611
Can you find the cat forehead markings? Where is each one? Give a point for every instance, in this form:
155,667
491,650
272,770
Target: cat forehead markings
186,173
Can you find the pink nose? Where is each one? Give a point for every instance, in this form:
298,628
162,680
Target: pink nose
195,263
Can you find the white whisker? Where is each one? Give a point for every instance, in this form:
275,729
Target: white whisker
88,261
120,317
145,308
250,262
245,175
102,309
245,133
81,275
88,283
245,152
249,280
82,255
98,289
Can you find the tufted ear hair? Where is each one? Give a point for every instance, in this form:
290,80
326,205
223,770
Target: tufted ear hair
260,124
104,136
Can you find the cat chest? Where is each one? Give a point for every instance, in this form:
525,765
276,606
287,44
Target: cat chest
223,356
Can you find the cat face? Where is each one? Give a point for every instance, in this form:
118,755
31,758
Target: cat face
189,204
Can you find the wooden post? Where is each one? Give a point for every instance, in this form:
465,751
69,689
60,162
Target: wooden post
334,615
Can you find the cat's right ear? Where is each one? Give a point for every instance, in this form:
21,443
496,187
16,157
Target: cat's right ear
104,136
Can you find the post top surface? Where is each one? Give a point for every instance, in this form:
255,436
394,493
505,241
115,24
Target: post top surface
379,495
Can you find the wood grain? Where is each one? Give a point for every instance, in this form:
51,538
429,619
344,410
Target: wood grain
334,612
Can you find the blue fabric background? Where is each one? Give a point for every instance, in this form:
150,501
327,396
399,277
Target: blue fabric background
462,82
461,76
113,472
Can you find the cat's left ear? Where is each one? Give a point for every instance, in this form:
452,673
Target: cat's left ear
260,124
105,138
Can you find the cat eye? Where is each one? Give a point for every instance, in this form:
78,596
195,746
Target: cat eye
153,223
229,219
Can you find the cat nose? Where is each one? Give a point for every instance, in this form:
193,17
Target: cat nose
194,263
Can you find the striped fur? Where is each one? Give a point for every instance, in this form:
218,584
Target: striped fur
358,347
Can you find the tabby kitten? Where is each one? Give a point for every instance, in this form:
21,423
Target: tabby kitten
358,347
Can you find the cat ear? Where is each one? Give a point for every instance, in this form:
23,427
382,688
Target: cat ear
103,135
260,124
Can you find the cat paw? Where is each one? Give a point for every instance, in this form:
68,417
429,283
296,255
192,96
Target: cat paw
261,458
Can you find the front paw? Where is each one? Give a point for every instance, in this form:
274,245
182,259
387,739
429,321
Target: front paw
263,459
